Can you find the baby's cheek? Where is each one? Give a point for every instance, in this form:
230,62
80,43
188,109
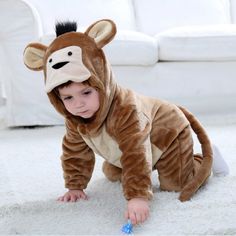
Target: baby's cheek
68,108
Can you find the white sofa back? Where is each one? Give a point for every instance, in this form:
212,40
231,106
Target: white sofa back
85,12
137,15
174,13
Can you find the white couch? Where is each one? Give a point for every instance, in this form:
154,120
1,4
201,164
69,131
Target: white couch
180,50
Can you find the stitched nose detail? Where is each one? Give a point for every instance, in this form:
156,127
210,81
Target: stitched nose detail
59,65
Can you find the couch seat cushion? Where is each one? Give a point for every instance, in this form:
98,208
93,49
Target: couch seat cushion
198,43
127,48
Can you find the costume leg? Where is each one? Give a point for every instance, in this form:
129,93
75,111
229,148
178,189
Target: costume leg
197,162
112,172
177,164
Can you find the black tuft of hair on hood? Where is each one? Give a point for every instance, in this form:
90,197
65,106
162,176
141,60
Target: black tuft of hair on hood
65,27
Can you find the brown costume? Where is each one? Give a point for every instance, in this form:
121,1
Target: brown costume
134,134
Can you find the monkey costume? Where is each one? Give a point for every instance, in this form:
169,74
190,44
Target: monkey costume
133,133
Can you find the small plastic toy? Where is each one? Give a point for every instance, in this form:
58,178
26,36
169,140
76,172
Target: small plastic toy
127,228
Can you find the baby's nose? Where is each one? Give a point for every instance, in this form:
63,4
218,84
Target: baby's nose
79,104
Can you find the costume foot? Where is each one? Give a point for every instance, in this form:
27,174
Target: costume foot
219,166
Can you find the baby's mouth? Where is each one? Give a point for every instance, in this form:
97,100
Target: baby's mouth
82,112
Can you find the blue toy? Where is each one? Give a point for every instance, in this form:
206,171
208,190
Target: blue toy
127,228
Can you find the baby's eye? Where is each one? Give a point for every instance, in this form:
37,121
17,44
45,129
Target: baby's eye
87,92
67,98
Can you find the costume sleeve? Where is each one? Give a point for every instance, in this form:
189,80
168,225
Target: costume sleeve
77,159
133,137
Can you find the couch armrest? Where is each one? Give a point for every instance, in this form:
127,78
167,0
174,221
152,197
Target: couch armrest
20,24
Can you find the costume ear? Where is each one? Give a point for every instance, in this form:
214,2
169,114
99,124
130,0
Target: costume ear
33,56
102,32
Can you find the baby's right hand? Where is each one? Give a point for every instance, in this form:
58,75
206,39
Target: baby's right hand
73,196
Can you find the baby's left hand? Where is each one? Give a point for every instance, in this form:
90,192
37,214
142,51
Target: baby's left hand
137,210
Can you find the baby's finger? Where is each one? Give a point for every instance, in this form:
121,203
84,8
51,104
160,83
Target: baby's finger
139,217
66,198
73,198
143,218
85,197
132,217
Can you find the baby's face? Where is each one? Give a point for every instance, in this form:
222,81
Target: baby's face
80,99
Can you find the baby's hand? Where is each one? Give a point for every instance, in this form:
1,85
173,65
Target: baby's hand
73,196
137,210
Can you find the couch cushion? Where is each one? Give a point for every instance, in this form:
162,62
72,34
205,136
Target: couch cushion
154,16
198,43
85,12
127,48
132,48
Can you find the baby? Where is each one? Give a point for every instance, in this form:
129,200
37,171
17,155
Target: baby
134,134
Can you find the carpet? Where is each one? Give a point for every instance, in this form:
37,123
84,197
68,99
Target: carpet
31,180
